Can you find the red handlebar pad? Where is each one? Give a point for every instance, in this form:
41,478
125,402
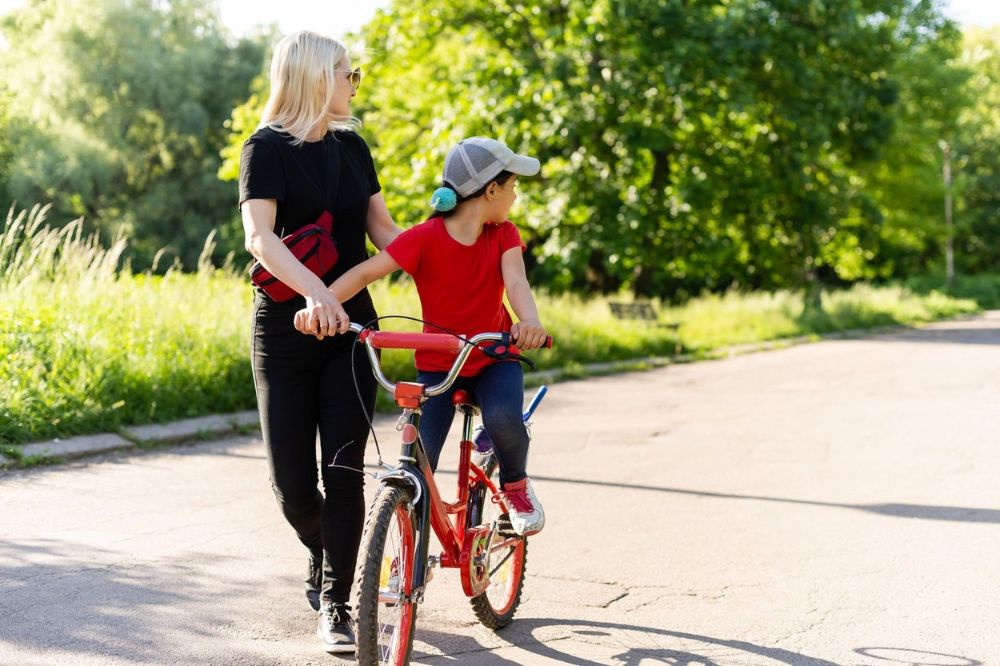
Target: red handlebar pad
426,341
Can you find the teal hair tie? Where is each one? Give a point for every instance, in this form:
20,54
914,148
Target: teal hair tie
444,199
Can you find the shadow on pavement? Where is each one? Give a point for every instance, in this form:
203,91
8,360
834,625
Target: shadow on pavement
454,649
59,597
925,511
916,657
615,643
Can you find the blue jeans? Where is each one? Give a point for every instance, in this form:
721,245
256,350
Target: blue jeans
499,392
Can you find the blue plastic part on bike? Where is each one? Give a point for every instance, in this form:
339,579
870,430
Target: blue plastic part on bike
481,440
539,394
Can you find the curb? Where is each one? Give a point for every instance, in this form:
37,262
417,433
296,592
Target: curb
188,429
216,426
133,437
75,446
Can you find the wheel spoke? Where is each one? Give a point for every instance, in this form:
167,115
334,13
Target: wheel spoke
506,543
501,562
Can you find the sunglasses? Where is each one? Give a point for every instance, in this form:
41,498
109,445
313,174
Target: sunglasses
353,75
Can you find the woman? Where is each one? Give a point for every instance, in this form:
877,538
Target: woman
306,159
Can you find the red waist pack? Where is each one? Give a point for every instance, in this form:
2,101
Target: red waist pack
312,245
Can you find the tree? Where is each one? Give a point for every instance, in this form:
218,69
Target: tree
686,145
977,247
116,111
906,183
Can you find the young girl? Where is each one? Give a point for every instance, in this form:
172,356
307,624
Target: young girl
462,259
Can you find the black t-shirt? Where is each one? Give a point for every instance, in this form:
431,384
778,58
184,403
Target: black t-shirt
335,174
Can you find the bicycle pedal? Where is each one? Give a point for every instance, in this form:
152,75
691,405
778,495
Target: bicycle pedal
432,561
504,526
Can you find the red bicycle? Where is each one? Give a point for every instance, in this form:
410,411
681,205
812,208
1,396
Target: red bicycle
474,530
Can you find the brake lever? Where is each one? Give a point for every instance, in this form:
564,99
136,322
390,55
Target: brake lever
500,350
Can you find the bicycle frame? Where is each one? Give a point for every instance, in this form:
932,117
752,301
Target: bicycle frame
448,520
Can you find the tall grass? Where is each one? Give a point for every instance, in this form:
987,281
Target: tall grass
720,320
32,253
88,346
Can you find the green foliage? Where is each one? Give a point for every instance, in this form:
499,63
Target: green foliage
241,124
88,346
685,145
114,110
715,321
984,288
977,242
693,146
906,183
709,146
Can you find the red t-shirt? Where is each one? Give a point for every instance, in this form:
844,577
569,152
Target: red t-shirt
460,286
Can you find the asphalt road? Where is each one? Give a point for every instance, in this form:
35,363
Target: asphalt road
831,503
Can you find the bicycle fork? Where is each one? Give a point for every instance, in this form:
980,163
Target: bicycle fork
427,509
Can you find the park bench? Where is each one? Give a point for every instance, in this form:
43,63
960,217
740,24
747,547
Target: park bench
644,311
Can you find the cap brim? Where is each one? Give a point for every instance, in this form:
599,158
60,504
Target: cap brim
523,165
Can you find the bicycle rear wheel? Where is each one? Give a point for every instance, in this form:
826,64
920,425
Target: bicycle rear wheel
507,554
386,616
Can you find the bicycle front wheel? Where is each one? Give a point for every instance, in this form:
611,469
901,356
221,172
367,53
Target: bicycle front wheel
386,616
506,554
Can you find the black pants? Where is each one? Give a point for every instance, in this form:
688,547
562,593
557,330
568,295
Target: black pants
304,384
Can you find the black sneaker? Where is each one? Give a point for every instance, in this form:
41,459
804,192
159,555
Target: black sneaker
336,628
314,578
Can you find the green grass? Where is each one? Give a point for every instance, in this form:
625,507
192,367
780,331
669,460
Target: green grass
88,346
984,289
715,321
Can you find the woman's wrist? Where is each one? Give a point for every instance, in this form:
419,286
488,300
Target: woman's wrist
314,287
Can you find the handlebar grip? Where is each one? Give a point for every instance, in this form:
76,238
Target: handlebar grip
419,341
545,345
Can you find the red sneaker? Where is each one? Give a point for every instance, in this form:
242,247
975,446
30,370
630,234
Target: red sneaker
526,514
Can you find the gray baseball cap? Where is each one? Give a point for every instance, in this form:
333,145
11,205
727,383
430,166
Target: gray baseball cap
476,161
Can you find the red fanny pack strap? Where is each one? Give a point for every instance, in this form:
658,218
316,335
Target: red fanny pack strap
325,222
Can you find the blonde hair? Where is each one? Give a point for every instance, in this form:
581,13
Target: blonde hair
303,80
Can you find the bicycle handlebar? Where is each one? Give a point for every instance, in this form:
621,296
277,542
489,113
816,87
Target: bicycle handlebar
430,341
398,340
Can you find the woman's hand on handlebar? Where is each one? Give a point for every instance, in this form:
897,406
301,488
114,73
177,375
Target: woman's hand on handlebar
529,334
323,315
